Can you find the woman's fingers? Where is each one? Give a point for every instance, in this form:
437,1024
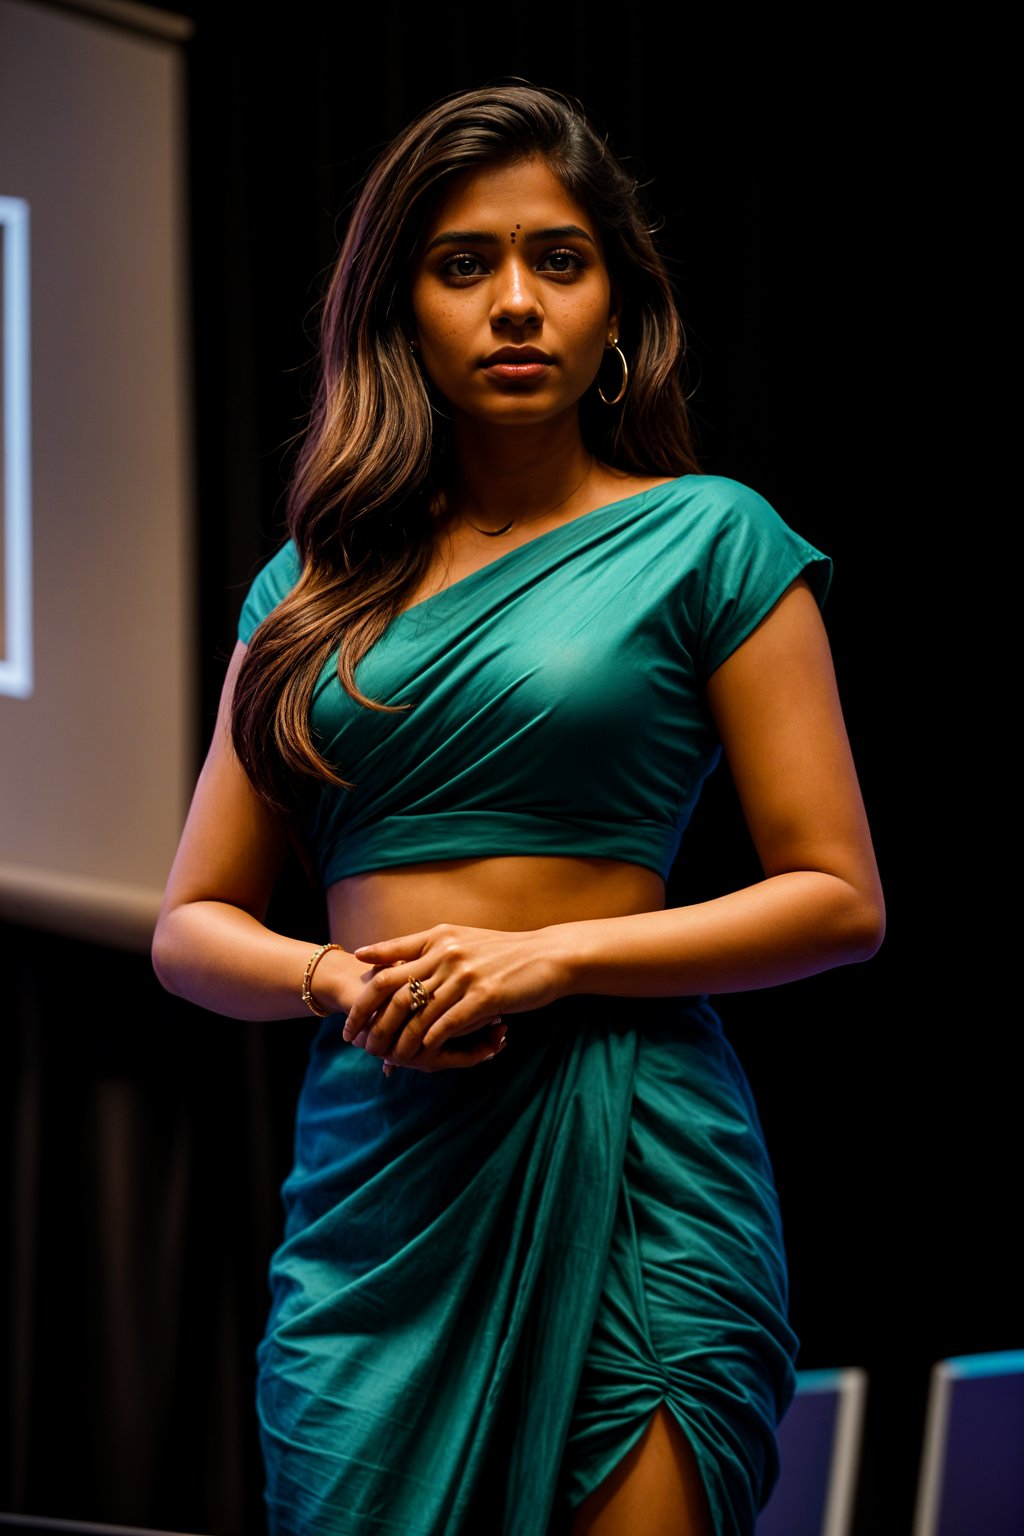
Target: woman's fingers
397,1033
399,1028
417,1017
458,1016
428,990
406,974
466,1051
391,1014
369,1007
392,951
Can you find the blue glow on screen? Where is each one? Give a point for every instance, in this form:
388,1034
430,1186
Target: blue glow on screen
1005,1362
16,529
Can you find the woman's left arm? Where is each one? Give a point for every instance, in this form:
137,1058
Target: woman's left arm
820,904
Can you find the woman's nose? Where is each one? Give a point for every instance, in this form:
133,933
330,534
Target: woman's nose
516,299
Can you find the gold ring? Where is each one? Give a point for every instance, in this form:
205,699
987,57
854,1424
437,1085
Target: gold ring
420,995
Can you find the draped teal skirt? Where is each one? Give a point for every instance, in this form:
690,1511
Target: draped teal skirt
489,1280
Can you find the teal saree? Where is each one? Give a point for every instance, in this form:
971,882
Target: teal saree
490,1280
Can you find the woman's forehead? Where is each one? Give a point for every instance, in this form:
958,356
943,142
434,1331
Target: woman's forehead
511,198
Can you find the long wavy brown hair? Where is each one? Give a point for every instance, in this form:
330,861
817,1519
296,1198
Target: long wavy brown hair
371,465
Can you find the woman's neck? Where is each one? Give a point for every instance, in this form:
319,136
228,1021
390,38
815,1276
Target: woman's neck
514,477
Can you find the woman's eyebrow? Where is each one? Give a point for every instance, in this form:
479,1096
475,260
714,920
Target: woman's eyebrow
489,237
560,232
464,237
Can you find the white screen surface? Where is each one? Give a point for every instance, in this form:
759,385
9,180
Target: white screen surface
97,750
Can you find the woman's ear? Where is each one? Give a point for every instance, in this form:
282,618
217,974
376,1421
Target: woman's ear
614,313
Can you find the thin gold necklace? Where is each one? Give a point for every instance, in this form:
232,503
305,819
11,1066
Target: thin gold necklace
496,533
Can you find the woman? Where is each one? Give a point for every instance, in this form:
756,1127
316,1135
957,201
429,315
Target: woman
532,1275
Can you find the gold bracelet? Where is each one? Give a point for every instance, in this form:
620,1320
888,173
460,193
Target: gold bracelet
311,965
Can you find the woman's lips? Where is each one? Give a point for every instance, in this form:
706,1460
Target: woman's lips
516,370
517,365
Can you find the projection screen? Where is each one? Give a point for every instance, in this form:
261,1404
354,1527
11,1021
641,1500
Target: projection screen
97,621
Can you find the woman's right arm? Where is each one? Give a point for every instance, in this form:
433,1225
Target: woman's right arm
211,944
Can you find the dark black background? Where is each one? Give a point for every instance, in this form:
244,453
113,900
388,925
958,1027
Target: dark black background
826,191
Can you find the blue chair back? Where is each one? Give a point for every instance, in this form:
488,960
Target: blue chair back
819,1450
972,1461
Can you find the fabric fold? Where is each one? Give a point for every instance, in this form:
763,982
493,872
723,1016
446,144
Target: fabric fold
490,1279
412,1292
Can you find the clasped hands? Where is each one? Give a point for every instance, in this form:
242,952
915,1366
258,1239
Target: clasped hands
437,999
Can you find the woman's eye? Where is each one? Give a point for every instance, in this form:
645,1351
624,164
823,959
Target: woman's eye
562,261
462,266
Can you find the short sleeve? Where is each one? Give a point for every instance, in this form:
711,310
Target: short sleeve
273,583
752,558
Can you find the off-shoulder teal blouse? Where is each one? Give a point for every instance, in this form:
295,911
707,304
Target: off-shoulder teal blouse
554,700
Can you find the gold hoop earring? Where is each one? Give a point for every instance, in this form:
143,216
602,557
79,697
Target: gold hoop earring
613,346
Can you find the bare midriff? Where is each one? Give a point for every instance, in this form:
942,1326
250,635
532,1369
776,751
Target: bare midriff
511,894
